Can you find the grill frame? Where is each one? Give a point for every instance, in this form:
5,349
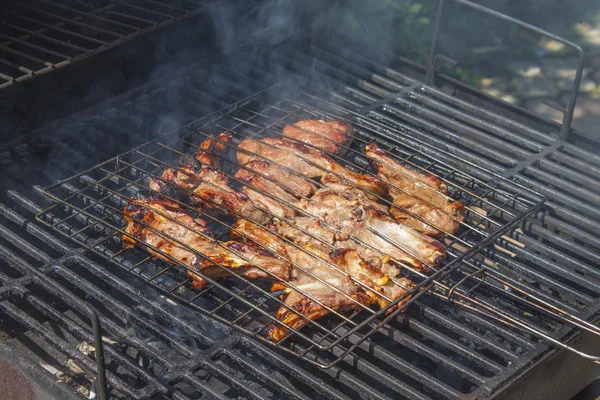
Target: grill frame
339,344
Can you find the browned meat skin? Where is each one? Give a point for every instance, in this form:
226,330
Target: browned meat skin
298,186
307,288
350,261
380,289
278,205
332,136
313,228
301,300
210,192
211,150
266,236
358,216
303,159
422,194
156,221
340,205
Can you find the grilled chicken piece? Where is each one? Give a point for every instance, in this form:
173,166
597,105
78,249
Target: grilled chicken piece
265,236
278,204
422,195
358,216
303,301
303,159
307,231
153,220
309,262
333,137
298,186
208,188
381,284
211,150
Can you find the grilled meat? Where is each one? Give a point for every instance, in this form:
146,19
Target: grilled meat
342,256
265,236
211,150
170,233
304,160
307,231
384,289
358,216
312,272
333,137
297,185
260,188
208,188
302,303
420,194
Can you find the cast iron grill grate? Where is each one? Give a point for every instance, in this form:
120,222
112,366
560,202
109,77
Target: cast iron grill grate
40,36
434,350
92,203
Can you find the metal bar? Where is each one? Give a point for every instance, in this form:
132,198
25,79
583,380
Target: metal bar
127,4
568,115
44,37
54,28
74,22
40,48
15,66
91,14
101,388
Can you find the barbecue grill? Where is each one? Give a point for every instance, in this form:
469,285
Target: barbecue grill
519,279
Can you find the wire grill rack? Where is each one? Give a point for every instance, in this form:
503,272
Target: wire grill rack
88,208
39,36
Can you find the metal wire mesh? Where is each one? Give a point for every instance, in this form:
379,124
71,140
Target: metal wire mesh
42,35
91,205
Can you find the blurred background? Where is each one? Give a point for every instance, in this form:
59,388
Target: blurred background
499,58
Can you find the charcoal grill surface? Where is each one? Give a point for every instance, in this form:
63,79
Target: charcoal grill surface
466,359
434,350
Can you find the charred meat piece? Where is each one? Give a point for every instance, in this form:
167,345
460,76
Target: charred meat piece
333,137
212,150
170,233
383,287
298,186
267,194
316,284
308,300
358,216
208,189
420,194
303,159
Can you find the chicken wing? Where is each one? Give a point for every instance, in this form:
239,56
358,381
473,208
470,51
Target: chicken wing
166,229
304,160
333,137
420,194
